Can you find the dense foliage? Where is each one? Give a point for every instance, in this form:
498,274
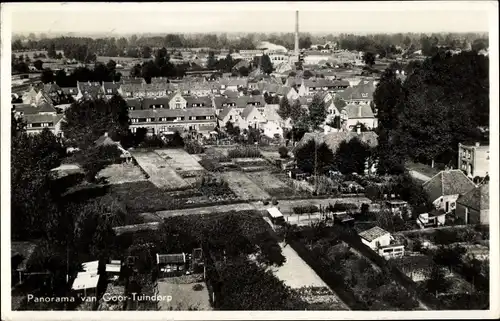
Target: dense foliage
425,117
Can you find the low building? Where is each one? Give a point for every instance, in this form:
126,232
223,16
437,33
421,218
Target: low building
36,123
397,206
446,187
432,219
171,264
474,206
158,121
474,159
376,237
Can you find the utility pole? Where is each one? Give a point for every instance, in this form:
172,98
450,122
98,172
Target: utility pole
315,166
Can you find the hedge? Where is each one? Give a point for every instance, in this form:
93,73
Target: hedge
305,209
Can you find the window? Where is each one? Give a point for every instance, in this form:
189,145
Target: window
178,118
109,91
231,117
135,120
178,105
364,95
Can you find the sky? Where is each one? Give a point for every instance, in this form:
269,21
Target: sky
315,17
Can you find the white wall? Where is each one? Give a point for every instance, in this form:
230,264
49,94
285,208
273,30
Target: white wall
383,240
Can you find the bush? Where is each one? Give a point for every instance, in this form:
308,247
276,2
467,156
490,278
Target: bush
283,151
305,209
274,201
210,165
244,152
198,287
265,202
193,147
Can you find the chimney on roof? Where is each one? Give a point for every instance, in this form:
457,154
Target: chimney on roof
360,111
478,144
106,134
358,129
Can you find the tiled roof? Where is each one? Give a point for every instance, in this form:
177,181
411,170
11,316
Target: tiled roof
154,113
334,139
224,112
206,101
243,101
146,102
373,233
70,90
358,111
111,85
318,82
364,90
45,107
170,258
159,80
51,88
449,182
478,198
42,118
136,103
26,109
130,80
283,90
247,111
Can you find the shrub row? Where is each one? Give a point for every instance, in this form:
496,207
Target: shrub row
244,152
305,209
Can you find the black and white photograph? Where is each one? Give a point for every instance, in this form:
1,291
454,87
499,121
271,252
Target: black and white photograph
312,159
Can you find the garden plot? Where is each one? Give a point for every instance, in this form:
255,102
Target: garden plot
243,187
183,295
122,173
180,160
269,183
160,173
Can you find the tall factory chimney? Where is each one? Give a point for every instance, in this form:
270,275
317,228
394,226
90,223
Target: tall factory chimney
297,33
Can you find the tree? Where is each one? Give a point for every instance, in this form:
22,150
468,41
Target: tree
369,58
305,43
437,282
351,156
38,64
47,76
211,61
266,65
245,286
86,121
283,151
243,71
51,52
284,110
146,52
449,256
296,111
317,112
314,158
32,158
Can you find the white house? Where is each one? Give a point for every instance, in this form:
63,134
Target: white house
446,187
352,114
376,237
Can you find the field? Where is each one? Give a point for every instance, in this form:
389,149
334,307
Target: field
180,160
184,297
160,174
122,173
269,182
243,187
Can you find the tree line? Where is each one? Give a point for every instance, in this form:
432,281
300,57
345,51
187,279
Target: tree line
383,44
443,101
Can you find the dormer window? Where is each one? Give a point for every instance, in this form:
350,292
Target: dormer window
364,95
109,91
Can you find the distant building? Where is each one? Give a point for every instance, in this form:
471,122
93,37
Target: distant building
474,159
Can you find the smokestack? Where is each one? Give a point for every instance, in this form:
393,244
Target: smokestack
296,32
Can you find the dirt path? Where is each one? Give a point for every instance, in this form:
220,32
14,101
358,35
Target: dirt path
419,176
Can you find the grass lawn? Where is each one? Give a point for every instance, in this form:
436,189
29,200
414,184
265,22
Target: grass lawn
422,168
243,187
184,297
159,171
122,173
